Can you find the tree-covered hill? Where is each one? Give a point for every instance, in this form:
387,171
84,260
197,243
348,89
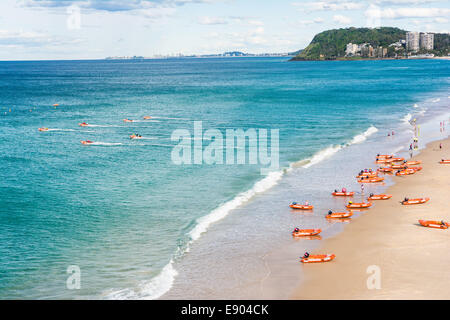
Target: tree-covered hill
331,44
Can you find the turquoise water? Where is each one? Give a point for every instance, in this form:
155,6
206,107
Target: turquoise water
121,209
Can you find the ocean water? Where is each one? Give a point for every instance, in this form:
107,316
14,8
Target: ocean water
141,227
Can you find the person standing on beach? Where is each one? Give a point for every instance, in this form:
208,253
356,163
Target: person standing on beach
362,188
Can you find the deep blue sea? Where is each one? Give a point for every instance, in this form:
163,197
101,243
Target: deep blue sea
140,226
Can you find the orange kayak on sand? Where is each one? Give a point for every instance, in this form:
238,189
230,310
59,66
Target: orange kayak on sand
368,174
380,197
43,129
359,205
397,159
301,206
383,161
413,163
399,166
405,172
318,258
415,201
87,142
371,180
306,232
339,215
385,169
343,194
444,161
384,156
434,224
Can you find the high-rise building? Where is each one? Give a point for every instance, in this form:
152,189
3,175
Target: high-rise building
427,41
412,41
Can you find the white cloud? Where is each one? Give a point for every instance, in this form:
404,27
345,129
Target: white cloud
333,5
211,20
403,2
255,23
401,13
22,38
342,19
313,21
111,5
440,20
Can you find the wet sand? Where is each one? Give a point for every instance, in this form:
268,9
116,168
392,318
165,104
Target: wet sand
413,261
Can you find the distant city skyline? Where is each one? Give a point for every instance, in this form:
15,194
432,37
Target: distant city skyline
95,29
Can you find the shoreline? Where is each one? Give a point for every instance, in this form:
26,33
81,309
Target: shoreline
412,260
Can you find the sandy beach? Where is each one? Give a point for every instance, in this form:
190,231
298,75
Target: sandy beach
413,261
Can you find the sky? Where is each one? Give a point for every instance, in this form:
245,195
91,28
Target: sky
95,29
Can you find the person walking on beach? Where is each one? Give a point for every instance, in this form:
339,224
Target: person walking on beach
440,146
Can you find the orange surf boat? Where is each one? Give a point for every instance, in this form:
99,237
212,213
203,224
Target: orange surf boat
339,215
415,201
434,224
301,206
399,166
306,232
359,205
83,124
405,172
413,163
380,197
87,142
384,156
385,169
397,159
383,161
133,136
443,161
371,180
147,118
127,120
318,258
43,129
343,194
367,174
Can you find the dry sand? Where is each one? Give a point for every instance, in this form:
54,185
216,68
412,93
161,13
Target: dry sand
414,261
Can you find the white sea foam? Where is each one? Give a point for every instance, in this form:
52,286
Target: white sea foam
221,212
105,144
407,118
56,129
149,290
436,100
322,155
331,150
363,136
415,105
422,112
103,126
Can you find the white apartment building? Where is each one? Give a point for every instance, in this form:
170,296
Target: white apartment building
412,41
427,41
